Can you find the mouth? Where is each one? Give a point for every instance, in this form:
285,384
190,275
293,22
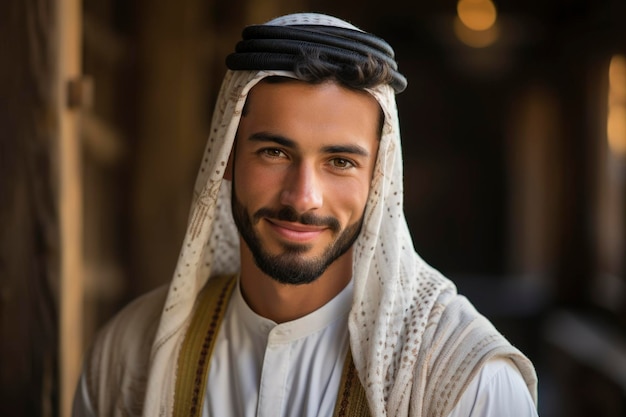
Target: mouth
295,231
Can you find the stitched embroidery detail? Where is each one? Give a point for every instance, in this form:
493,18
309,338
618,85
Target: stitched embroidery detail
197,348
351,399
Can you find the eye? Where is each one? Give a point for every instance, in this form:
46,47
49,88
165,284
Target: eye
341,163
271,152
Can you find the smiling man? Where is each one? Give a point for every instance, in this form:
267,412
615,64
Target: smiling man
298,291
302,168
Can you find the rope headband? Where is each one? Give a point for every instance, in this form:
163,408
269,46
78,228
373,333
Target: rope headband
268,47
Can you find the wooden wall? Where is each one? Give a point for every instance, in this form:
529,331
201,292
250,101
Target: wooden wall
29,224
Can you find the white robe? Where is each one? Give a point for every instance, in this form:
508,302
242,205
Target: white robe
263,369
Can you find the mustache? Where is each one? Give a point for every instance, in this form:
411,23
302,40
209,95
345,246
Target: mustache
288,214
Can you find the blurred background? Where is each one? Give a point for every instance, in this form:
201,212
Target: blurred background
514,139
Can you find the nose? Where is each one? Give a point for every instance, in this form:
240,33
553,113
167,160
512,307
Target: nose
302,189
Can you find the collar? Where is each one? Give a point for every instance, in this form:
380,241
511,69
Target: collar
336,309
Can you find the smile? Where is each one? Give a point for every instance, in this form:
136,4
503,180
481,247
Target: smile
295,231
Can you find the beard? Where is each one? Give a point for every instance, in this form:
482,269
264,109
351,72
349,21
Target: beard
290,266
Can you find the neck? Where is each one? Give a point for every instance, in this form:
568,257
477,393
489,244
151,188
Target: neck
283,302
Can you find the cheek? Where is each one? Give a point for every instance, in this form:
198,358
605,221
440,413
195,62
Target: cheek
350,198
255,186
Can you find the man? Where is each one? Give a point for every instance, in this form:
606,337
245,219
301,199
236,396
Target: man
315,303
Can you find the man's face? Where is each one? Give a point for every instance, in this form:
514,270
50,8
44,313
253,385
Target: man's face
303,164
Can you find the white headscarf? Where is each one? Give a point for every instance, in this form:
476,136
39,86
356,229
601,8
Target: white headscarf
396,294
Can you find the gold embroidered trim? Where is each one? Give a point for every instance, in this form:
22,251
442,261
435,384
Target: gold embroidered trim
197,348
351,399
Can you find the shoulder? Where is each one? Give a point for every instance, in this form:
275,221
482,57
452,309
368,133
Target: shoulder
457,346
116,365
496,390
134,326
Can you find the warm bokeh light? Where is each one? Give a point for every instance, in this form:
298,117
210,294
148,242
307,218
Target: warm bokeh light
617,76
475,38
616,119
616,129
478,15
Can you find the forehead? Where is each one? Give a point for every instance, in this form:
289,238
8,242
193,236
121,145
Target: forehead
321,108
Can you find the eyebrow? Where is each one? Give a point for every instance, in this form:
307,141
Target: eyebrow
349,149
271,137
289,143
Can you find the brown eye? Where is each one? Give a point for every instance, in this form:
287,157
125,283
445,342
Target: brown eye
272,152
341,163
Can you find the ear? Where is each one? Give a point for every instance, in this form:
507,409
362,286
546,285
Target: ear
228,172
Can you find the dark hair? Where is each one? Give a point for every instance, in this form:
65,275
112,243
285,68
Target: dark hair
314,67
